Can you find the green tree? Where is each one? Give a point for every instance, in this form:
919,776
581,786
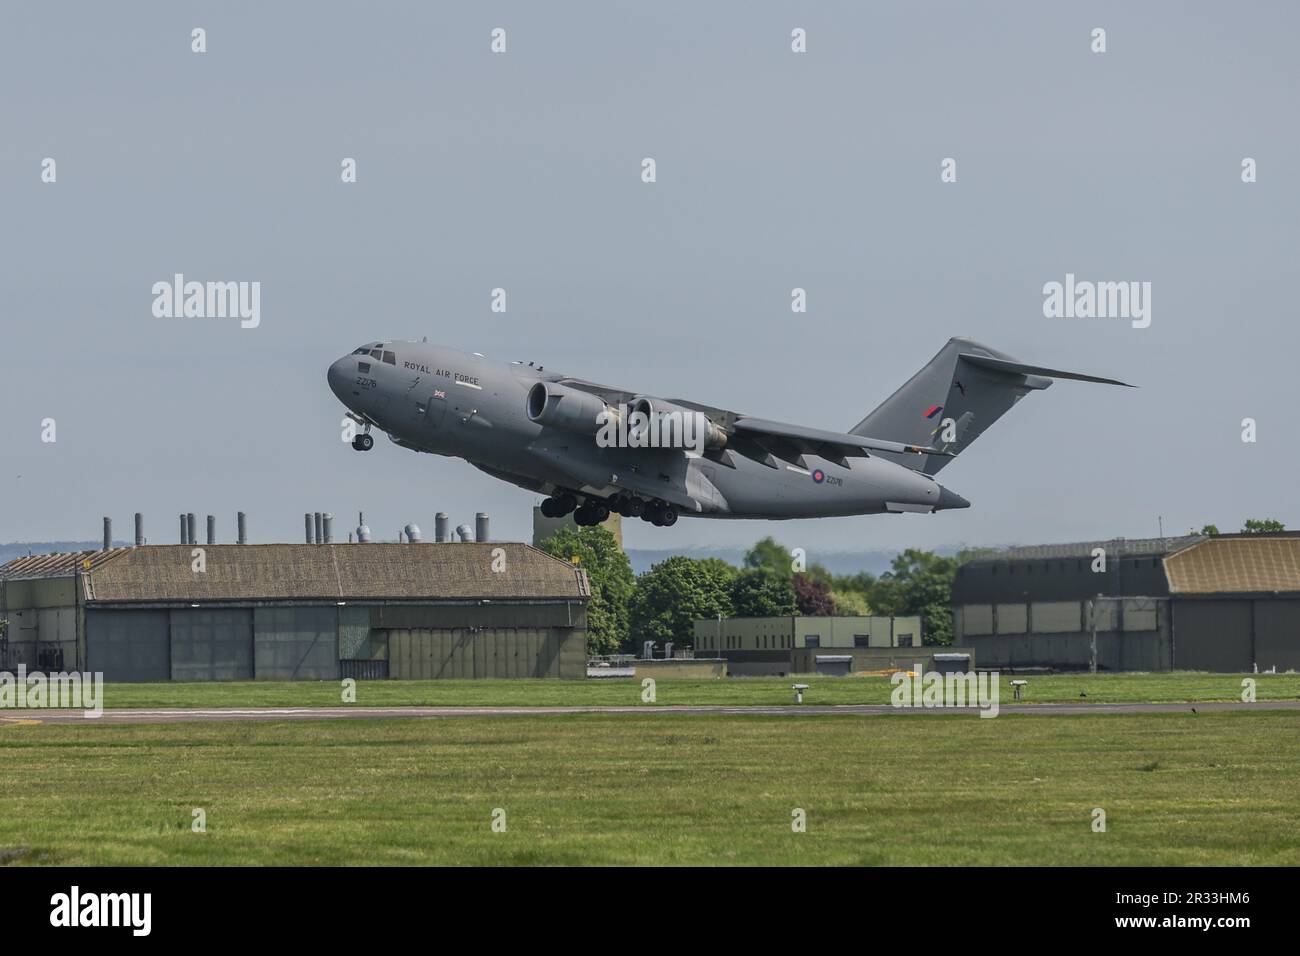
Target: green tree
610,575
920,583
762,592
1262,526
676,592
852,603
769,554
1210,529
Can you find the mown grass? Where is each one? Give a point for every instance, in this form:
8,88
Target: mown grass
1178,789
1100,688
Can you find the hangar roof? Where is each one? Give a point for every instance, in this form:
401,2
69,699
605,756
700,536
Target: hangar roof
60,565
359,572
1084,549
1241,564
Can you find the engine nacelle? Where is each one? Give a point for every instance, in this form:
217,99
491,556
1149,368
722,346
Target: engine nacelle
663,424
557,406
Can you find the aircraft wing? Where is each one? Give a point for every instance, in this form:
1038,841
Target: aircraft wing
609,394
788,442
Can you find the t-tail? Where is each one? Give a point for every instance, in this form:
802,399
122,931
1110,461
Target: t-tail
959,393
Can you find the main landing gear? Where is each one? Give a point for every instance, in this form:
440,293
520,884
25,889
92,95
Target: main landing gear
593,511
559,505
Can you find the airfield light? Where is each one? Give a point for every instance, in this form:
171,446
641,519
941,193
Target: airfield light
1018,686
798,692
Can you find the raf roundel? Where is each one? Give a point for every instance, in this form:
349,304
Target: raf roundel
819,476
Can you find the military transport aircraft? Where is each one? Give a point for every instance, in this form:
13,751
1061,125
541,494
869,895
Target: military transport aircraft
593,449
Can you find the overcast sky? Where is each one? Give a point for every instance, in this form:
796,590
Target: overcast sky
522,170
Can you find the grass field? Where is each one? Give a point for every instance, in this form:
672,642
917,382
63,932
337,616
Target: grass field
671,789
1100,688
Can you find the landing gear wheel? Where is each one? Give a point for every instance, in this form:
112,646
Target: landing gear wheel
363,442
634,507
548,508
601,513
668,517
564,504
584,517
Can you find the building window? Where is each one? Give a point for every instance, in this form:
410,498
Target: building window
861,640
812,640
904,640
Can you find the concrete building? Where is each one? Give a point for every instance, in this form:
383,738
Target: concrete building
297,612
754,646
1223,603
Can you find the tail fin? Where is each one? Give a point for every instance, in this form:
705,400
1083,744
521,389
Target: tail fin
959,393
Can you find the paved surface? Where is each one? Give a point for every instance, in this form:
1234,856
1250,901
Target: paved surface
196,715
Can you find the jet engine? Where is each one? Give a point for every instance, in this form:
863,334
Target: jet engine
558,406
672,423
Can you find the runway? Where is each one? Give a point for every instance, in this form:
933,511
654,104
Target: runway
272,714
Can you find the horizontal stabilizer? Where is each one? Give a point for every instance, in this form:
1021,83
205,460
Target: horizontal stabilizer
1019,368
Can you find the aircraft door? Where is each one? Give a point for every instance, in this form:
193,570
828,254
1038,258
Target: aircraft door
434,409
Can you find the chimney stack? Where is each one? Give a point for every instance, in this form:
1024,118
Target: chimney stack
243,528
440,528
464,532
320,528
108,532
139,530
412,533
328,520
481,526
184,538
212,529
191,533
306,520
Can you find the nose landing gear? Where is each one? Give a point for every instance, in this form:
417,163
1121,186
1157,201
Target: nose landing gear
364,442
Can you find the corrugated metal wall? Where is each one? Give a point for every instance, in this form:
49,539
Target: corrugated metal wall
1277,634
432,653
354,635
128,646
295,643
212,644
1212,635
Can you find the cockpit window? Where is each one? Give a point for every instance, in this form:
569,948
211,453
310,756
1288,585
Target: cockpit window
361,351
390,358
376,354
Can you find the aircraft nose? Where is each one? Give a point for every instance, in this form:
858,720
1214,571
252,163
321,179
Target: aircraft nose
950,499
337,377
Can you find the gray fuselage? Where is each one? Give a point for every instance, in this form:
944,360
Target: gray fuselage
447,402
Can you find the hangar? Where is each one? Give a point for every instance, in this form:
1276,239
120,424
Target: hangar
1226,603
774,646
297,612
